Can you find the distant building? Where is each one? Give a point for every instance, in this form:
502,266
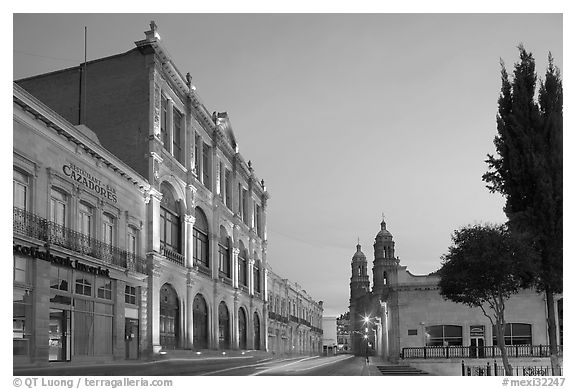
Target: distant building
343,333
294,317
330,338
404,316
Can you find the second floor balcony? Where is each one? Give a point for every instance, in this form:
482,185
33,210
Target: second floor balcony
33,226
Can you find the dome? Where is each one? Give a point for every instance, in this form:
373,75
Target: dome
358,255
383,231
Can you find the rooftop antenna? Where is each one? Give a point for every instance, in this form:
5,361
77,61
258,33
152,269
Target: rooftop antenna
82,94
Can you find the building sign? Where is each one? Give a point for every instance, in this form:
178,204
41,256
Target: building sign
90,182
34,253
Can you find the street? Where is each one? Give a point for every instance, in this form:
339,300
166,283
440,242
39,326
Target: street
341,365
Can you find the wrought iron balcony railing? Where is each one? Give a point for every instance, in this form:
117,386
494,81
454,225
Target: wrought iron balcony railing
34,226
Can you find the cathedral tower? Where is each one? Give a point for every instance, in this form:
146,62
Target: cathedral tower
385,263
359,282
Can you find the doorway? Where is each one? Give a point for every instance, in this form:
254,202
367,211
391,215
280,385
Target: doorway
477,342
131,338
200,322
169,318
58,342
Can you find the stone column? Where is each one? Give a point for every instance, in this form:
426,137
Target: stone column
154,302
41,314
118,342
235,252
264,328
250,275
189,221
234,318
191,277
153,215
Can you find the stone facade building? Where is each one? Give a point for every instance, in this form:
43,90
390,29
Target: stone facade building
205,240
404,316
295,318
79,226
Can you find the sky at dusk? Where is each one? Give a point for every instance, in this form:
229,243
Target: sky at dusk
345,116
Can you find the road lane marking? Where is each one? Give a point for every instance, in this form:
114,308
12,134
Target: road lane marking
242,367
288,364
323,364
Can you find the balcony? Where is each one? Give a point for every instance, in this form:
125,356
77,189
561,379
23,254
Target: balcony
172,255
34,226
515,351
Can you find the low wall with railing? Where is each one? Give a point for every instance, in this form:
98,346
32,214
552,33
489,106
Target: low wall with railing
447,352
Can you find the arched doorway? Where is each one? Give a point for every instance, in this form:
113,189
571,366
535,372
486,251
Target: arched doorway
200,322
256,332
223,326
242,330
169,317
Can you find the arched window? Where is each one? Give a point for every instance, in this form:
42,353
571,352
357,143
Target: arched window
169,221
200,233
242,266
224,253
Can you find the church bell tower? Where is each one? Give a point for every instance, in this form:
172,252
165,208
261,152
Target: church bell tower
385,263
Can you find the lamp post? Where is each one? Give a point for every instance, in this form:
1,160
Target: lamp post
366,323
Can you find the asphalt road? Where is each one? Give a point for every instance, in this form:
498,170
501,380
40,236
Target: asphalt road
341,365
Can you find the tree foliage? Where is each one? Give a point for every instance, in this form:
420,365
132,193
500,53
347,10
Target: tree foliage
527,169
484,265
483,268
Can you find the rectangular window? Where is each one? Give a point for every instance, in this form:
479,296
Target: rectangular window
220,179
59,278
164,120
58,202
130,295
84,286
108,229
20,187
514,334
206,166
197,155
245,206
21,322
177,135
132,240
412,332
85,213
20,269
444,335
259,229
228,188
240,201
104,288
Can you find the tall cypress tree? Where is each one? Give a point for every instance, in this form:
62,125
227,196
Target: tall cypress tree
528,171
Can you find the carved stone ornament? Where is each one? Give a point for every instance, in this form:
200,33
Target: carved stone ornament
156,111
